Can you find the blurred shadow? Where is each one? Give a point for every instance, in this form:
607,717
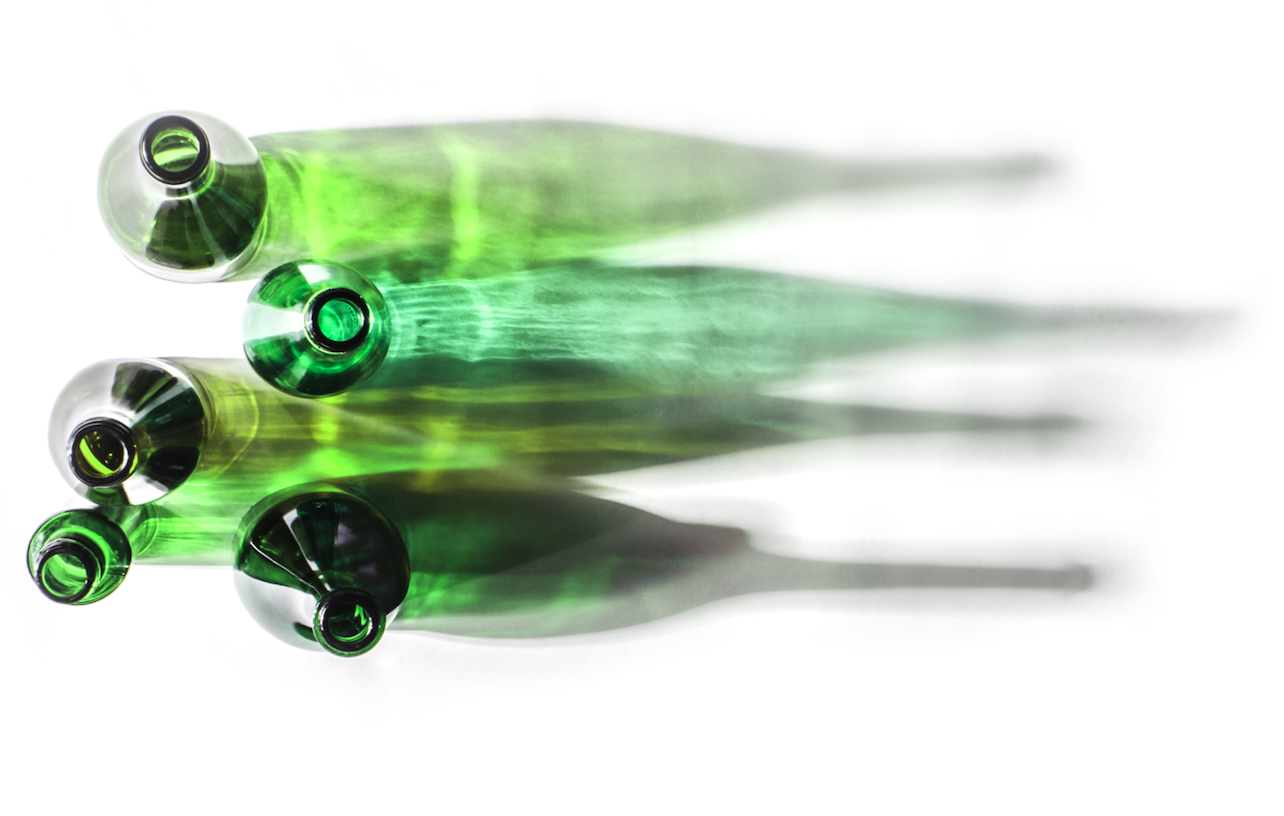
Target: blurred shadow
593,430
527,563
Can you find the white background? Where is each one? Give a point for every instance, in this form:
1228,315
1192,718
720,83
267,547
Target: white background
1158,692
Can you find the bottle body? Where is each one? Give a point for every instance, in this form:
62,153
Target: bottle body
93,548
475,199
690,329
189,199
445,545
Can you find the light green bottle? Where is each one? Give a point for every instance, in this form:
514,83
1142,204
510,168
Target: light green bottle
211,433
189,199
131,431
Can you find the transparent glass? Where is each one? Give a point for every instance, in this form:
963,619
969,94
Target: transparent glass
133,431
666,327
464,199
184,196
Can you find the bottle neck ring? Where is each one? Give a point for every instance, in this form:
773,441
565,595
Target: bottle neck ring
67,571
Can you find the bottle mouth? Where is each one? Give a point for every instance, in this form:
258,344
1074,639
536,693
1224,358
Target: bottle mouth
66,571
174,150
337,320
348,622
102,452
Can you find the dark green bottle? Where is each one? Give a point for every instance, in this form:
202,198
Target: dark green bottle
190,199
488,554
81,556
319,328
132,431
320,566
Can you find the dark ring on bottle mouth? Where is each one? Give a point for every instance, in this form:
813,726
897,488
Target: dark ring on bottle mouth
182,175
323,622
117,432
312,320
76,550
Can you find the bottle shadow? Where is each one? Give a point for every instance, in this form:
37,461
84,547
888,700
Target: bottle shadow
544,563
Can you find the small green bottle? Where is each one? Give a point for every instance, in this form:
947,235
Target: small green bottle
319,328
189,199
131,431
82,555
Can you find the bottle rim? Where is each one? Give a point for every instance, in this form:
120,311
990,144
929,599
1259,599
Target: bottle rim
116,432
174,127
66,548
314,319
332,613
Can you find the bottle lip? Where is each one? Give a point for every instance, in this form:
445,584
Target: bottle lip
157,169
313,320
66,547
118,433
338,604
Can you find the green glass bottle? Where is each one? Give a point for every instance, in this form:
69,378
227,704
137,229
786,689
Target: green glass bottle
132,431
204,434
488,554
190,199
82,555
569,437
319,566
318,328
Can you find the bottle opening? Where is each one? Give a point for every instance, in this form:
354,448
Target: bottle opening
348,622
337,320
103,452
66,571
175,150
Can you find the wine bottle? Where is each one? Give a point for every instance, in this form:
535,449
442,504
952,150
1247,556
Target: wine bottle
319,328
81,555
133,430
487,554
190,199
